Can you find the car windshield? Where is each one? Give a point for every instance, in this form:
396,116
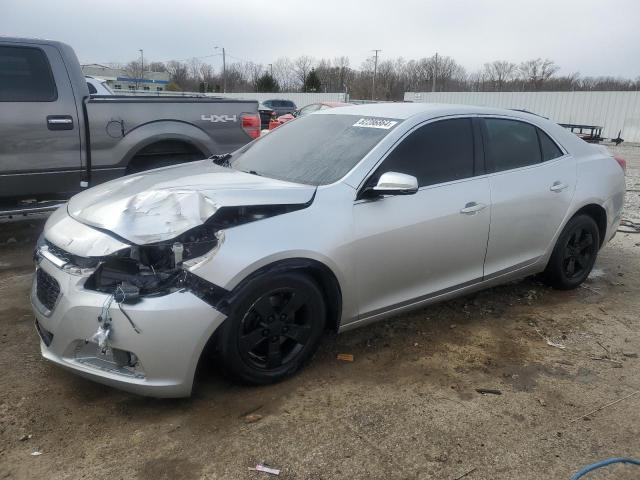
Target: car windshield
314,150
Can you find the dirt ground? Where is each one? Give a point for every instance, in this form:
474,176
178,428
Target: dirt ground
405,408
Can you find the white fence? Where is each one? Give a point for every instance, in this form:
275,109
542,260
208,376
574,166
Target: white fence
615,111
300,99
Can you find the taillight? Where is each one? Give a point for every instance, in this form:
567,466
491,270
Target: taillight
622,162
251,124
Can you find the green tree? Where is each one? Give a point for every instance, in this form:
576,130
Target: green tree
266,83
312,82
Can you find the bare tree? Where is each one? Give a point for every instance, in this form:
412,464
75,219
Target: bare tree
283,71
133,70
499,72
157,67
194,69
179,74
254,71
207,76
302,66
343,71
537,71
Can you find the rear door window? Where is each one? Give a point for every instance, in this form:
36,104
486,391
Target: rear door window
25,76
435,153
510,144
549,148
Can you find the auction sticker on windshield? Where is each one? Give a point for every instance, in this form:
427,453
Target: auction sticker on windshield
381,123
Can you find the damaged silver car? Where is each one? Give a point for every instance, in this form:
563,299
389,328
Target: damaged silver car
332,221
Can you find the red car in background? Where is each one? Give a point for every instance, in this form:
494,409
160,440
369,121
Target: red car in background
313,107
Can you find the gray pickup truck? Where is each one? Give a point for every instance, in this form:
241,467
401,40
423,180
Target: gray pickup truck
56,138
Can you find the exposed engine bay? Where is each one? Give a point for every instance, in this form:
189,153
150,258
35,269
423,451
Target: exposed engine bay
162,267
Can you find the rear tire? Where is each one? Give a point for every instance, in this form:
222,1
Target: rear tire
574,255
274,326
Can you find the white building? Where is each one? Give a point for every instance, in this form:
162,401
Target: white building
118,79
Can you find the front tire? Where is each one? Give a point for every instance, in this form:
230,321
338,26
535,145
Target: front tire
574,254
274,326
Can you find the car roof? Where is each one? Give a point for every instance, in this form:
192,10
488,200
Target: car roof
405,110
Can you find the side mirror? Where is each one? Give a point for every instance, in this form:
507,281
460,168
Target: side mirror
295,113
393,183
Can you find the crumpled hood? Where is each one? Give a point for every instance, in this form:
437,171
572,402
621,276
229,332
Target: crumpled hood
162,204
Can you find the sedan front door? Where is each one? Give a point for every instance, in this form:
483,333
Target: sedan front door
410,248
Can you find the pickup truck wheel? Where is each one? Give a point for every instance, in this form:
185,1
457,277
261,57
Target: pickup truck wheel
574,254
273,328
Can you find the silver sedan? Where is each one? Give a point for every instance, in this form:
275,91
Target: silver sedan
335,220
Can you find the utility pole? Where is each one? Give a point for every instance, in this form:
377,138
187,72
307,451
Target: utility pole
141,67
435,72
224,71
375,71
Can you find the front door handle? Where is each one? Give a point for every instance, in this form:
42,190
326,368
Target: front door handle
472,208
59,122
558,187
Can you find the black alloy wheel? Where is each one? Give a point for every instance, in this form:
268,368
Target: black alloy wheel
275,329
574,254
274,326
578,252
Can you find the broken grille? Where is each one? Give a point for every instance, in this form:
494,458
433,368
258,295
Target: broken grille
47,289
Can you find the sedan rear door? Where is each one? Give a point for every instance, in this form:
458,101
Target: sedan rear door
532,183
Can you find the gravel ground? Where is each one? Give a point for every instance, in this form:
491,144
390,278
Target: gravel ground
405,408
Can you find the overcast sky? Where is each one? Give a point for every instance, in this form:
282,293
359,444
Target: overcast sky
593,37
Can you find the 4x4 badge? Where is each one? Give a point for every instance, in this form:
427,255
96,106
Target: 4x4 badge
219,118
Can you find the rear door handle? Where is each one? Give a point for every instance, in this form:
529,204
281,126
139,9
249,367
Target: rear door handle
59,122
558,187
472,208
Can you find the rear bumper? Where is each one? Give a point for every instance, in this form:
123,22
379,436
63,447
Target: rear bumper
159,361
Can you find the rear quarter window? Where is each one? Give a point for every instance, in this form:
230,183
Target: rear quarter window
25,76
549,148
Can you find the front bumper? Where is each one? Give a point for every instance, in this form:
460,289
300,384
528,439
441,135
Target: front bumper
159,361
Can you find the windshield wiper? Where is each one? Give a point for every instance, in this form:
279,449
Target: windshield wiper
221,159
252,172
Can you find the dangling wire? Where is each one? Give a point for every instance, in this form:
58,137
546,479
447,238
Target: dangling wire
120,302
